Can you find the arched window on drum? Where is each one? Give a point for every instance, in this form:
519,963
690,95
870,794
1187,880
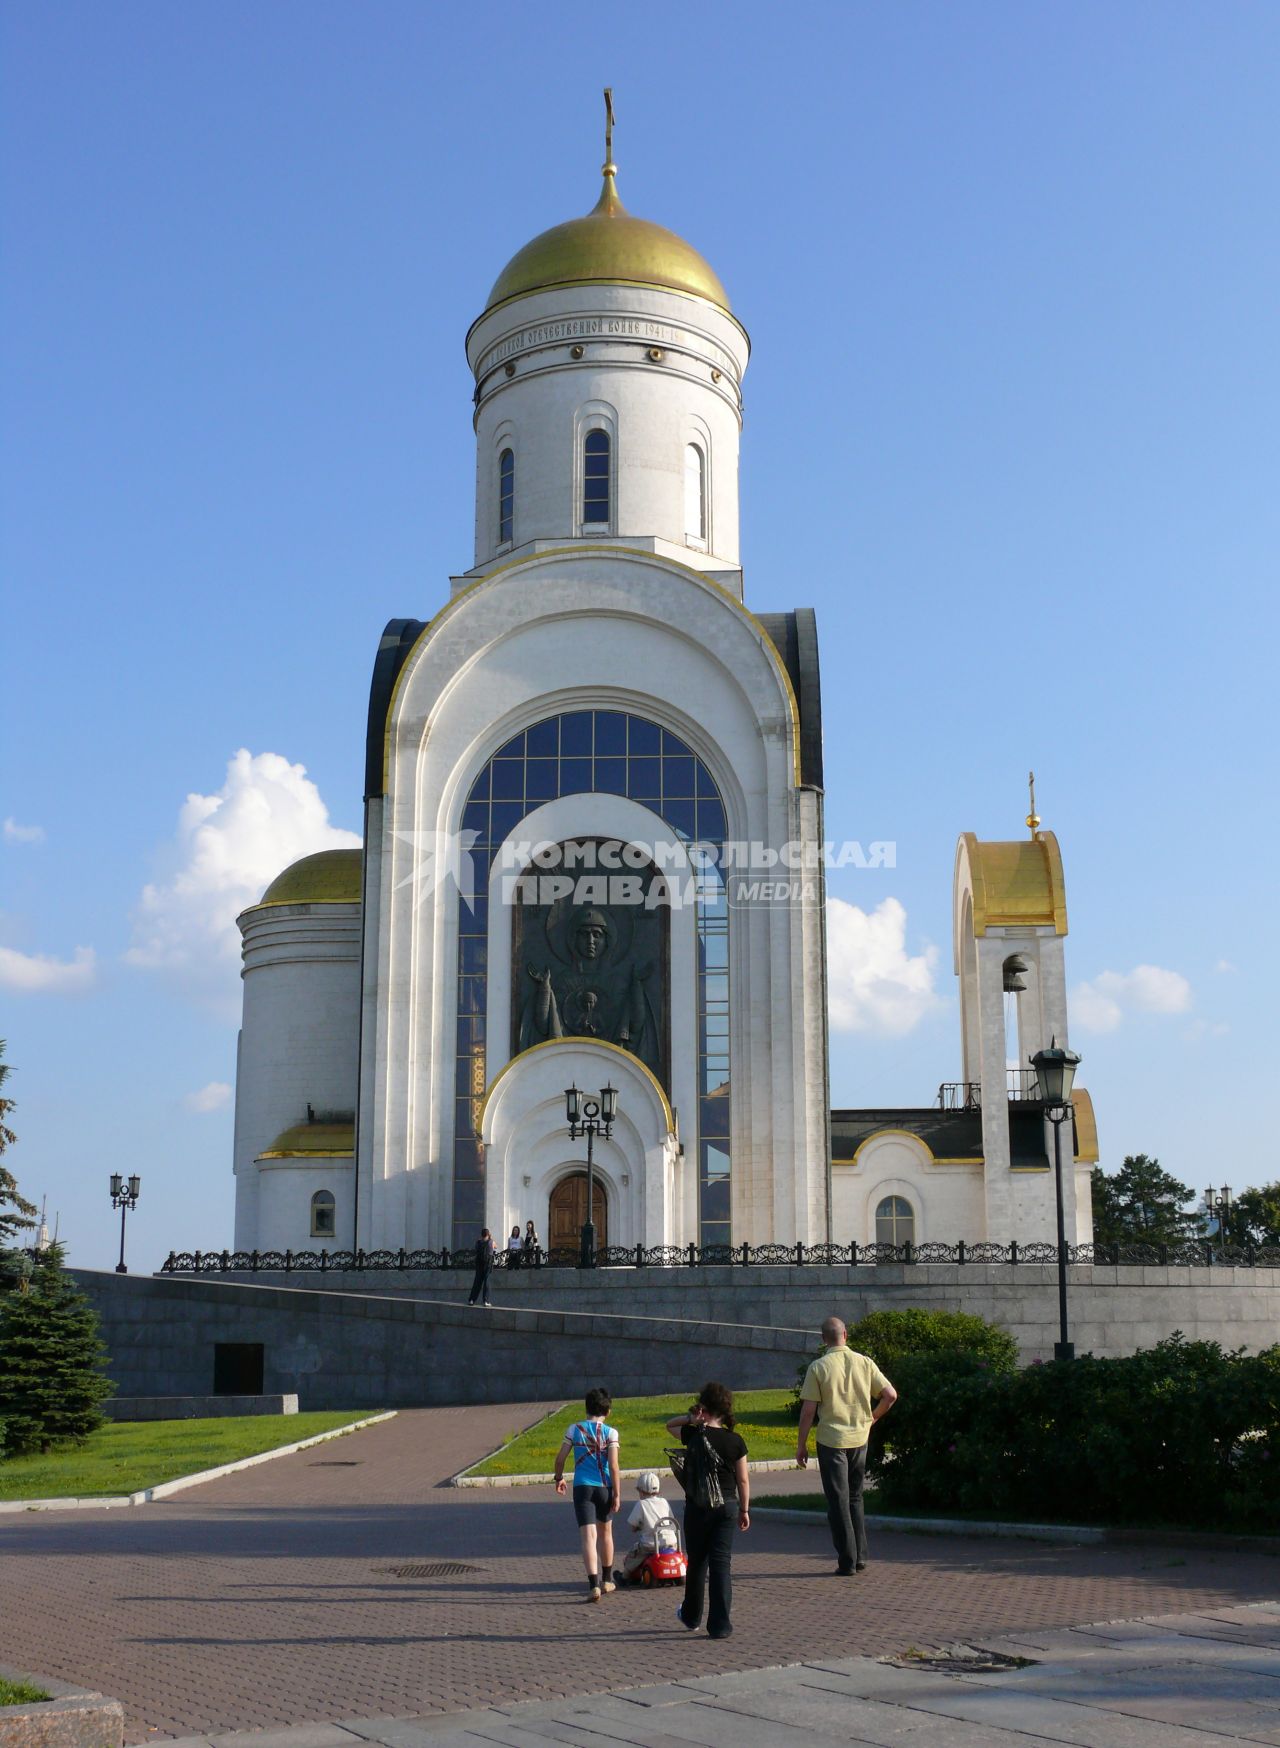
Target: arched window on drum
895,1221
695,495
506,496
324,1214
596,471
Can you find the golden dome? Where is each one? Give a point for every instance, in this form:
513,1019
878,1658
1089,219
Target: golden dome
314,1140
1017,884
608,246
328,877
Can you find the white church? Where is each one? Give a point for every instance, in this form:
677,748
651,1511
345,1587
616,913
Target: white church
593,832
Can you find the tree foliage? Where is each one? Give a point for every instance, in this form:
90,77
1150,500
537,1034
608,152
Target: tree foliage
1142,1204
1254,1217
15,1211
51,1381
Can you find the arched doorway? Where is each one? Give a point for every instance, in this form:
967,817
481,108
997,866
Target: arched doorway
568,1212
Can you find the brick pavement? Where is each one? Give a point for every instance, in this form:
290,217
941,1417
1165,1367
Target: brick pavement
264,1599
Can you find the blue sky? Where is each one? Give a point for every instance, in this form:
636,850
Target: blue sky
1010,276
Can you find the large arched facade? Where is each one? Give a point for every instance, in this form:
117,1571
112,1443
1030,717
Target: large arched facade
692,740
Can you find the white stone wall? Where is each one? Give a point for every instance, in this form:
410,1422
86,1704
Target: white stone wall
298,1046
284,1191
652,406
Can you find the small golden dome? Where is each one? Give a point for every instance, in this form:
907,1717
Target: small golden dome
328,877
608,246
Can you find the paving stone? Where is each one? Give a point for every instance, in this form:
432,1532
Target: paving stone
818,1710
262,1600
296,1736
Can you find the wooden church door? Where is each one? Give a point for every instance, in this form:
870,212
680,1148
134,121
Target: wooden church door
568,1212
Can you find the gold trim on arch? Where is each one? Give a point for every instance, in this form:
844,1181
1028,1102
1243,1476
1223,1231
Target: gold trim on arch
910,1135
595,1043
430,627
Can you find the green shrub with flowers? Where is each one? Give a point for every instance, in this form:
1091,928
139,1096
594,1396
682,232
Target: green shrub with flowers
1183,1433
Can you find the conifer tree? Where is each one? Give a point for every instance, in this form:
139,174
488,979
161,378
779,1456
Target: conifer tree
1141,1204
24,1211
51,1382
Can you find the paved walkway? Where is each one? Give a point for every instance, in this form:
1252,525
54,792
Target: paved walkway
1180,1681
278,1596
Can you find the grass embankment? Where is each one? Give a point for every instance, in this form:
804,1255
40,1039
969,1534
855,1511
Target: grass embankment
762,1419
20,1693
141,1453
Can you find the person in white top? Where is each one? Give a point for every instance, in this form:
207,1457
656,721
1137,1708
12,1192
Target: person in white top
650,1511
515,1245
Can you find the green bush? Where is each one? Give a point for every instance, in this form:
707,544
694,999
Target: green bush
1182,1433
895,1338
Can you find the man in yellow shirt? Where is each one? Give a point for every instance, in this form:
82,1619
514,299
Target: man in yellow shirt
839,1388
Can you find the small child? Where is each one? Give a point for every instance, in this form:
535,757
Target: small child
645,1518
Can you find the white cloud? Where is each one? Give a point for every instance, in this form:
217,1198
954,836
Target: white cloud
39,973
227,848
1224,966
22,834
1100,1006
874,984
214,1097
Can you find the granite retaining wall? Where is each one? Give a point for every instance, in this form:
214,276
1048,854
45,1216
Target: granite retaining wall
393,1340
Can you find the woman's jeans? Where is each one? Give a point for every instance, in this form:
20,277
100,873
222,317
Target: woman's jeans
708,1538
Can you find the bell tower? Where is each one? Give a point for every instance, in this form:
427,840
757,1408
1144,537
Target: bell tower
1010,926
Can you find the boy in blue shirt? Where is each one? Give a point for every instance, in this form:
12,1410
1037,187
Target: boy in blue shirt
597,1487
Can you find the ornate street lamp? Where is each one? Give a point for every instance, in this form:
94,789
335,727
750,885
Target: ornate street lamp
1218,1204
590,1117
125,1197
1055,1070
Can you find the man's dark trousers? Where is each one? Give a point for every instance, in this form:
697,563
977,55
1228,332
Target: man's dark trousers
843,1473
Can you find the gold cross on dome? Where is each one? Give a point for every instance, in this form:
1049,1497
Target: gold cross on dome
609,166
1033,818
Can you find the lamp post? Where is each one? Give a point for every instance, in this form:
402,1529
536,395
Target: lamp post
1055,1070
590,1117
1218,1203
124,1196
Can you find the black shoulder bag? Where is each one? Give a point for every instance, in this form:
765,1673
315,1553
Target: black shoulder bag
700,1471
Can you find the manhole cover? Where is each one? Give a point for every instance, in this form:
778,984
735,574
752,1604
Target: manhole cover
333,1463
431,1569
957,1660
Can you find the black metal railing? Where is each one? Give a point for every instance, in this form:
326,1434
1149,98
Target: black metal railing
1194,1253
960,1095
966,1095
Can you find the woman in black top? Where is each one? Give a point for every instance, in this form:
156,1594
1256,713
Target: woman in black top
708,1535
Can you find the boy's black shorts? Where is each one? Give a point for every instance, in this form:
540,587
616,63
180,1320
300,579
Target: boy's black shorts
591,1504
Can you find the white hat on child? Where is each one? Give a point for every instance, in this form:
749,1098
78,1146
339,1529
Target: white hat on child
649,1482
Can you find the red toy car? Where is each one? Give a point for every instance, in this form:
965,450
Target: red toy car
667,1565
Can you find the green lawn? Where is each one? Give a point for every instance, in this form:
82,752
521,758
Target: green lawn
19,1693
142,1453
641,1422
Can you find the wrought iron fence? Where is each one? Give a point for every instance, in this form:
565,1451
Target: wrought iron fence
1195,1253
